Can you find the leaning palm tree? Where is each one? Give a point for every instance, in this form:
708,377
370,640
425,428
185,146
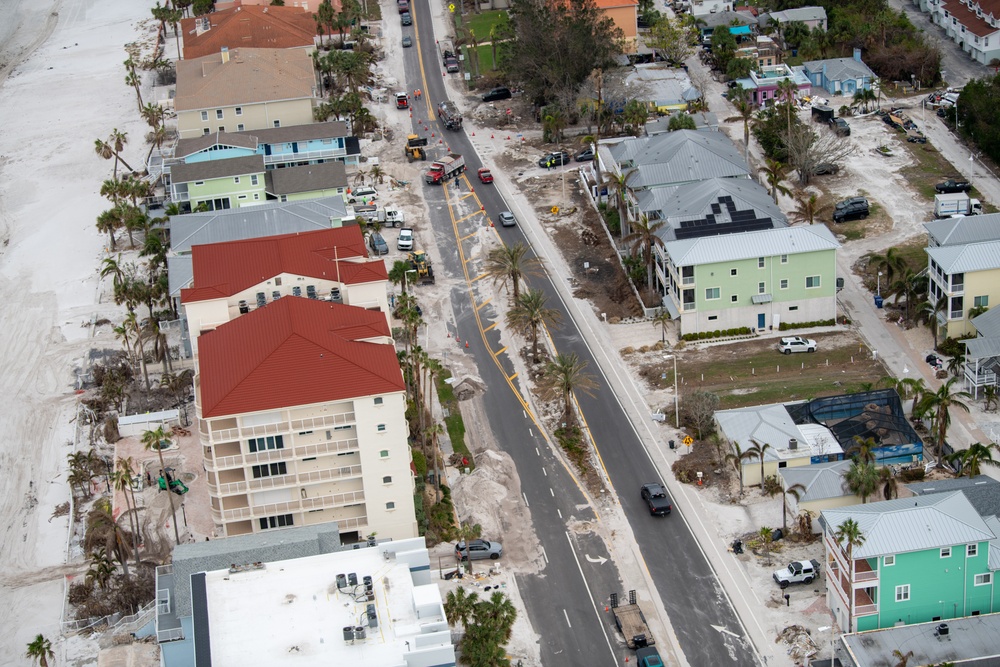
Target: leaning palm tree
758,451
774,173
940,403
892,263
529,314
122,479
928,312
806,209
795,491
901,658
619,190
849,536
745,110
971,460
562,376
511,264
642,242
158,440
40,651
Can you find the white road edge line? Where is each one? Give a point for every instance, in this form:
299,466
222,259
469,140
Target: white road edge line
567,618
600,620
545,556
525,499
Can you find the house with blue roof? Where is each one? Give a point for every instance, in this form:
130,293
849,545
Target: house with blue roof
920,559
840,76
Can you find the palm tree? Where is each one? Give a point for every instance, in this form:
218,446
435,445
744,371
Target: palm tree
498,613
553,123
795,491
901,657
397,275
864,448
112,148
766,537
862,479
849,535
40,651
940,403
459,606
466,533
757,451
619,189
662,320
928,312
991,398
528,314
122,479
892,263
890,487
745,110
158,440
806,210
133,324
105,526
179,384
737,457
785,92
863,98
642,241
562,376
972,459
101,568
511,264
774,173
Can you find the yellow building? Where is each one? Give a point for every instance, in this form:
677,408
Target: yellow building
244,89
968,275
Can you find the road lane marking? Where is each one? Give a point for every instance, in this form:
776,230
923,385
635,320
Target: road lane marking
590,594
525,499
567,618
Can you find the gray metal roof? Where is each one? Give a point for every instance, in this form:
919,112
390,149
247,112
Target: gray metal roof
838,69
799,14
180,273
679,157
821,481
967,639
283,135
726,18
763,424
693,201
746,245
982,348
982,491
912,524
988,324
967,258
194,145
250,222
307,178
202,171
967,229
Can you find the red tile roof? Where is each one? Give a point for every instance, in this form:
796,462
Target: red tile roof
249,26
295,351
223,269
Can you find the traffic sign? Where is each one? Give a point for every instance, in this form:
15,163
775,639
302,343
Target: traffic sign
451,7
688,440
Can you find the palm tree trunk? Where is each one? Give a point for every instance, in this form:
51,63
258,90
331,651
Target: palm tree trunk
170,497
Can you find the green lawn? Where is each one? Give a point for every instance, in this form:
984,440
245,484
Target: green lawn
480,24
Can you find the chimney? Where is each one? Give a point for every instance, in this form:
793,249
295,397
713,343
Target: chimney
793,443
857,54
225,54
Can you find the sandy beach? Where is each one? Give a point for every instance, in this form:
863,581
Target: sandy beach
62,86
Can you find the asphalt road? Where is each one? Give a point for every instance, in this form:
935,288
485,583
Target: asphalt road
701,615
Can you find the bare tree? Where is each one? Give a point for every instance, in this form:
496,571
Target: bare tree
807,150
700,407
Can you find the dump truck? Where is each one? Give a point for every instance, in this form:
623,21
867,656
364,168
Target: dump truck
450,115
414,149
421,263
444,169
956,203
631,622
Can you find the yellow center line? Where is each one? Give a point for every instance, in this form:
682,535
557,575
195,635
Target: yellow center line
492,326
423,73
484,303
500,351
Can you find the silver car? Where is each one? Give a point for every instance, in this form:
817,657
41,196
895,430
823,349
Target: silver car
507,219
479,550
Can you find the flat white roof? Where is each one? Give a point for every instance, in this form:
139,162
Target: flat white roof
292,612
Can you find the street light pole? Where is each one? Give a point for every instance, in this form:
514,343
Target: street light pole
878,285
677,397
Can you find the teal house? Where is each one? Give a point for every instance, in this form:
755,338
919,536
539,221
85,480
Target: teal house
920,559
294,145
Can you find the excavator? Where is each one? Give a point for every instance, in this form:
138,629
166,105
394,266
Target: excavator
414,148
421,263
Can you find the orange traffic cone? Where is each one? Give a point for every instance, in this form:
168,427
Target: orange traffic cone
466,345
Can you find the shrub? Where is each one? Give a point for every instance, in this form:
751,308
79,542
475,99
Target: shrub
912,475
952,347
785,326
420,463
704,335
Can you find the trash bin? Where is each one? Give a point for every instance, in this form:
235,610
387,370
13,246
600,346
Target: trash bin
671,443
878,300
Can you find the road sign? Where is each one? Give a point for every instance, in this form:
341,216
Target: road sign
688,440
451,7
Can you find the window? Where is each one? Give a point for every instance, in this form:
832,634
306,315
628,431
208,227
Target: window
199,182
972,550
733,298
379,400
254,179
240,127
981,301
712,293
277,123
760,262
902,593
205,131
242,197
984,579
222,128
270,442
945,552
732,272
236,179
384,453
309,458
256,196
390,505
793,308
218,114
387,480
269,470
279,521
782,464
277,281
783,284
239,111
760,288
812,281
381,428
890,561
712,318
204,116
784,259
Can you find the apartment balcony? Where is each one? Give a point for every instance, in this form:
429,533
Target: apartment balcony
304,156
290,507
280,481
864,572
863,604
286,454
294,426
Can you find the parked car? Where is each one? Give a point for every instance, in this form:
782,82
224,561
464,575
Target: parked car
364,192
586,155
497,94
378,244
790,344
656,499
648,657
407,42
851,209
558,159
951,185
404,6
507,219
840,126
405,18
797,572
405,240
479,550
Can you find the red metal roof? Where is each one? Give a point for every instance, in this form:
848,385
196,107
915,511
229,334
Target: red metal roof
295,351
249,26
224,269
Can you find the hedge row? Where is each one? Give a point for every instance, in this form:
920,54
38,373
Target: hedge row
718,333
785,326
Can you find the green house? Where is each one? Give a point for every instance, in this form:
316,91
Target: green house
924,558
219,184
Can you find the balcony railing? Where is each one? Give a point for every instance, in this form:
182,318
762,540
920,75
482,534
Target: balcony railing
305,504
327,153
871,575
296,425
865,610
280,481
285,454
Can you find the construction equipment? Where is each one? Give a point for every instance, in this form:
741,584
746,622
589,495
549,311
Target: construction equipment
414,149
447,167
450,115
421,263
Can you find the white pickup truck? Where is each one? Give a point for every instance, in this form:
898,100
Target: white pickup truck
797,572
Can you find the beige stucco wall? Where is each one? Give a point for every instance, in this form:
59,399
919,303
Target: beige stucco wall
751,469
252,116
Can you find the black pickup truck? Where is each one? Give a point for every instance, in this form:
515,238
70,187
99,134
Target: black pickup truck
951,185
656,499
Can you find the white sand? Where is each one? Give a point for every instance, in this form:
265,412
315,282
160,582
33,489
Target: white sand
62,87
